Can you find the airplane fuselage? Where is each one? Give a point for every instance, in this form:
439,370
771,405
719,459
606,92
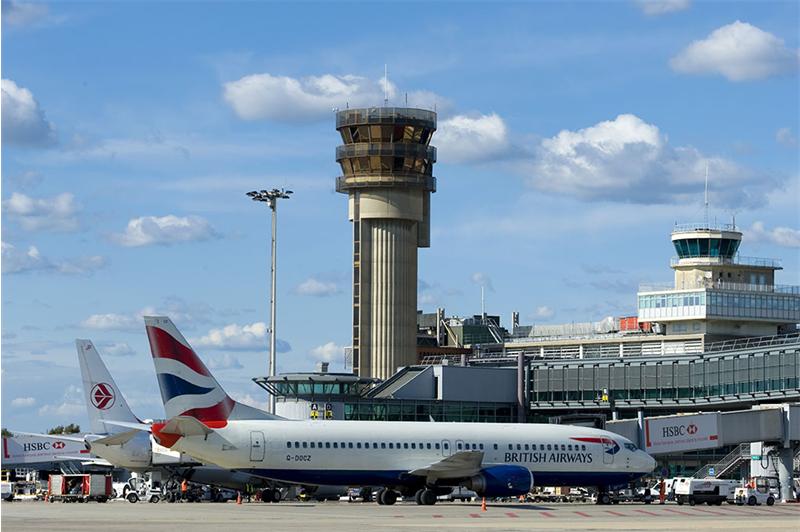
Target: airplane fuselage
362,453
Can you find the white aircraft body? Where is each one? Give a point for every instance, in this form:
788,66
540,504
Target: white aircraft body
423,459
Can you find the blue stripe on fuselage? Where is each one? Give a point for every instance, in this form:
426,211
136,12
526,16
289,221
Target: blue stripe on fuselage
338,477
172,386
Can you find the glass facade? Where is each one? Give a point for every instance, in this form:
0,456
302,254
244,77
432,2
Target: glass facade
420,410
719,303
697,378
706,247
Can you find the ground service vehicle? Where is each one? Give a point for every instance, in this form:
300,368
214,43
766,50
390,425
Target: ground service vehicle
704,490
755,493
79,488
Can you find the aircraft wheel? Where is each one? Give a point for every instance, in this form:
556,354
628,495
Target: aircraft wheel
418,496
266,495
428,497
276,495
389,497
604,498
379,496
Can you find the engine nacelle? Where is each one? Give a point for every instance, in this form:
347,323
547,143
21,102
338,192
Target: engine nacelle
501,481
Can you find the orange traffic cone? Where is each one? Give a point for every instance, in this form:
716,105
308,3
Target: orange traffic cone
238,497
483,505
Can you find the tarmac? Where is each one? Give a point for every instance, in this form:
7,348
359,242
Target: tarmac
343,516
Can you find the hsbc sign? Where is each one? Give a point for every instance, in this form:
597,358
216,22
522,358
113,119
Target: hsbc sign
681,433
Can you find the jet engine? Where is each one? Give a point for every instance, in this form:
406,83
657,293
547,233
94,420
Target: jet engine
501,481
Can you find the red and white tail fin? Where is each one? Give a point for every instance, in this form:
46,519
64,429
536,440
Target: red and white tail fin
187,386
104,401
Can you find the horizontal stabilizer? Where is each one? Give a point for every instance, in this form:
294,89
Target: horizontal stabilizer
459,465
186,426
119,438
144,427
50,436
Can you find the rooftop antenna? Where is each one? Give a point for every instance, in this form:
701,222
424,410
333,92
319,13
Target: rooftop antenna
385,84
483,306
706,195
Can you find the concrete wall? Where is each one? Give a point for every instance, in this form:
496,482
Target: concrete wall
457,383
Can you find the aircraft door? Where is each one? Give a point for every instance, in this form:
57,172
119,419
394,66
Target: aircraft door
608,451
256,446
445,447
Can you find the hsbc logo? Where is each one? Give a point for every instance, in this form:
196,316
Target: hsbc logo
678,430
58,445
102,396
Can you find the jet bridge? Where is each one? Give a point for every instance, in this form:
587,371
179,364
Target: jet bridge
776,425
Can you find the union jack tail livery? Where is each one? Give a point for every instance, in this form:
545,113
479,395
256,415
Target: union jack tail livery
187,387
103,398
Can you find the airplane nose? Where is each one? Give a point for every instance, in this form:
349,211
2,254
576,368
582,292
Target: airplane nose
649,462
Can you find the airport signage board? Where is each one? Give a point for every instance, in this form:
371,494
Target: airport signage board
681,433
36,450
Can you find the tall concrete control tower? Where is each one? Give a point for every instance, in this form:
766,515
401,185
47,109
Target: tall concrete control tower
387,167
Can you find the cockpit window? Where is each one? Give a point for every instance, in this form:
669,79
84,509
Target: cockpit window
631,447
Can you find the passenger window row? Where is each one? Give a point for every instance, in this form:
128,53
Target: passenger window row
364,445
545,447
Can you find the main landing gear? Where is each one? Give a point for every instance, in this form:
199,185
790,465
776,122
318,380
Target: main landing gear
386,497
425,497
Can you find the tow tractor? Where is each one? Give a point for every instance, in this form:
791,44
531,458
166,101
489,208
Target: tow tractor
755,493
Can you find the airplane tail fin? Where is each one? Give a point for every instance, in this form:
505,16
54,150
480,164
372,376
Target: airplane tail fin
104,401
187,386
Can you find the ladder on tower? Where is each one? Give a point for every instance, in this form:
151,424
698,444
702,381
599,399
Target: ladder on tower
726,464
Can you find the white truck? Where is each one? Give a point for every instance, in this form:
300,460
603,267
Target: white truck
757,491
704,490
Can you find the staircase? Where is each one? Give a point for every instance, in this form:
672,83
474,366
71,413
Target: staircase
727,464
70,468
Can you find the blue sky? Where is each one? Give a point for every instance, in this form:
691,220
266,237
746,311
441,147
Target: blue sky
571,137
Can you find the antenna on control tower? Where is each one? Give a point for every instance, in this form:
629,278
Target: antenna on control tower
385,85
706,195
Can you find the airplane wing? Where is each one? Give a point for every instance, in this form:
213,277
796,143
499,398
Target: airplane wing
459,465
50,436
118,439
84,461
144,427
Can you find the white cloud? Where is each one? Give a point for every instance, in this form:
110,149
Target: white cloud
17,261
463,138
629,160
483,280
112,322
313,287
738,51
57,213
164,230
328,352
662,7
23,121
72,404
544,312
781,236
249,337
282,98
23,402
785,137
117,349
225,361
23,13
249,400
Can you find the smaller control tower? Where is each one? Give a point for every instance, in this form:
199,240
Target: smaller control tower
717,292
387,167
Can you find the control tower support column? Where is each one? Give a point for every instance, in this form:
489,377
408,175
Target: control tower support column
387,169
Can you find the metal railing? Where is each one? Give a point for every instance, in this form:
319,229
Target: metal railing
727,463
722,285
384,115
739,260
702,226
346,182
749,343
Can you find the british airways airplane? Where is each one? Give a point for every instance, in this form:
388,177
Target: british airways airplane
405,458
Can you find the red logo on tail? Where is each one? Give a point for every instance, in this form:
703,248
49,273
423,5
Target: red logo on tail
102,396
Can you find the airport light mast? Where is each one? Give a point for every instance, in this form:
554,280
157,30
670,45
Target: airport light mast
271,197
